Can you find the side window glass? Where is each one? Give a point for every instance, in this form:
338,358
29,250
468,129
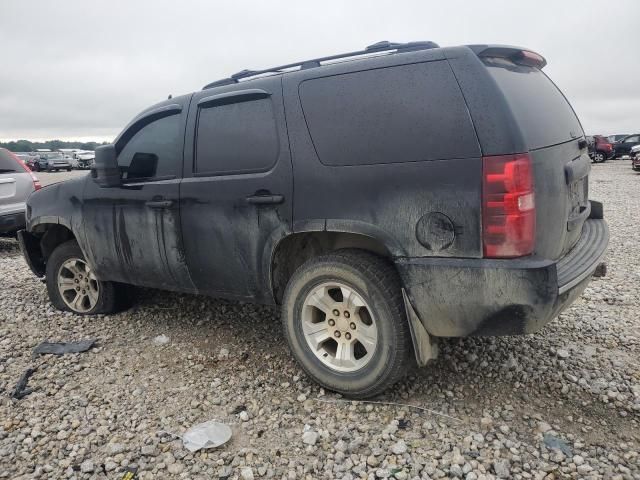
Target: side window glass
236,138
153,152
406,113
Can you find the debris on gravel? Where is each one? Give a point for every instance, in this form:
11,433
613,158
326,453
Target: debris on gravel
562,403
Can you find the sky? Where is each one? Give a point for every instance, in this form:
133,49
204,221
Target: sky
80,70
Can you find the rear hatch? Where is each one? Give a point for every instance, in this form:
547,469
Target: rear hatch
15,184
557,149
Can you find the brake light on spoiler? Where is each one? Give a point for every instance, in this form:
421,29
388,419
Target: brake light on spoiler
508,206
517,55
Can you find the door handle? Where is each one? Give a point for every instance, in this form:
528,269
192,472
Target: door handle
159,203
267,199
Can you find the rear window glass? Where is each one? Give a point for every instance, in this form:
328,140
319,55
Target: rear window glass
407,113
7,163
543,113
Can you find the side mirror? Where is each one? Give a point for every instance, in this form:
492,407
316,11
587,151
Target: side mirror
105,171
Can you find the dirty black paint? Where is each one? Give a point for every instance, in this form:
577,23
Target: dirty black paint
423,205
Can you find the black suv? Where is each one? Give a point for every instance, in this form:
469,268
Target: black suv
383,197
624,146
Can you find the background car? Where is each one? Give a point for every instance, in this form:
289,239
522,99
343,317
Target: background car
600,148
635,158
85,159
52,161
623,147
617,137
17,182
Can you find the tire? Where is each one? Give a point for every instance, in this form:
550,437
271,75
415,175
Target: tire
376,284
68,169
599,157
104,298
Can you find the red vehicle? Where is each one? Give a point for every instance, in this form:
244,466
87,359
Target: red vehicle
600,148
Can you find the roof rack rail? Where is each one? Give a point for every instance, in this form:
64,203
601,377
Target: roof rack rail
383,46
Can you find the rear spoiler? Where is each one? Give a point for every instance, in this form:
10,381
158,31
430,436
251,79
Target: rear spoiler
518,55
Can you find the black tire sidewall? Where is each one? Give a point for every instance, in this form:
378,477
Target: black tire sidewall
61,254
380,366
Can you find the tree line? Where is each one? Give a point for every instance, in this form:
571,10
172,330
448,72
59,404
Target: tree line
29,146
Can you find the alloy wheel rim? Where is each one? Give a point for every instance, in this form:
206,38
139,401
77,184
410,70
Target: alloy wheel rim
77,285
339,327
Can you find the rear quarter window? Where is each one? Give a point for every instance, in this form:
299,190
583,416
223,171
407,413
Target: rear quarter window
407,113
543,113
8,164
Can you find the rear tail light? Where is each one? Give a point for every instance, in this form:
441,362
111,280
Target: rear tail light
508,206
36,182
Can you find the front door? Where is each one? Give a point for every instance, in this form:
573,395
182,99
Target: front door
133,231
236,197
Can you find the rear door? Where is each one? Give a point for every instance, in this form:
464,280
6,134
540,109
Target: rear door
236,197
555,140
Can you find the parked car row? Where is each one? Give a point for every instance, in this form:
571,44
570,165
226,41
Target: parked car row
55,161
603,148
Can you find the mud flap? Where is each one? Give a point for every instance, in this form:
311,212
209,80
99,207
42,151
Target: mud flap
424,346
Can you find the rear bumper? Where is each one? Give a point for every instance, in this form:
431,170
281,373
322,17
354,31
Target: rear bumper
12,222
464,297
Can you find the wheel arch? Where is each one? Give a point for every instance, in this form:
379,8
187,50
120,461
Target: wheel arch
294,249
42,238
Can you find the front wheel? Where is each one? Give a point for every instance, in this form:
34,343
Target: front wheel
72,285
344,318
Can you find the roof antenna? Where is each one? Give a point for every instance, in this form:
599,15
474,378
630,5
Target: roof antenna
169,97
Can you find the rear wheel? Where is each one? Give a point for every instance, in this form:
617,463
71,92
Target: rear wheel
344,319
599,157
72,285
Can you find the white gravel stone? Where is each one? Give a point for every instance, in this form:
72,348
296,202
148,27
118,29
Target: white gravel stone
310,437
399,447
87,466
161,340
246,473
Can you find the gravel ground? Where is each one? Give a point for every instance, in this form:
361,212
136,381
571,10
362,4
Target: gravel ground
563,403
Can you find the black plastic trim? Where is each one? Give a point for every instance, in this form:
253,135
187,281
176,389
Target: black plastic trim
585,256
233,97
